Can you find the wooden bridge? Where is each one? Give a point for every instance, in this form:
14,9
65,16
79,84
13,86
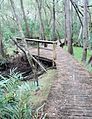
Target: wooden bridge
71,93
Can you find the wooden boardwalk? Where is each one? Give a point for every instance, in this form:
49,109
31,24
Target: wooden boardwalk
44,52
71,93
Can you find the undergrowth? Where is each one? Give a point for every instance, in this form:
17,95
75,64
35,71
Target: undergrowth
17,98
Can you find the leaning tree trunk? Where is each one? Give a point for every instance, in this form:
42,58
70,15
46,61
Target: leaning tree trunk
25,20
24,48
42,30
68,26
17,20
24,44
85,31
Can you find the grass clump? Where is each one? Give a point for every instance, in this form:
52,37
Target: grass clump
45,82
78,55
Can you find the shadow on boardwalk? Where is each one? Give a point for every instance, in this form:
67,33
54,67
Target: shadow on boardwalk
71,94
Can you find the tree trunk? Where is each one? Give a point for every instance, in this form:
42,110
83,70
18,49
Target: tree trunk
42,31
80,36
53,23
1,44
68,26
24,44
65,22
85,31
17,18
24,48
25,20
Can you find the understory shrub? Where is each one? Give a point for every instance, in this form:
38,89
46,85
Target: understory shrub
14,97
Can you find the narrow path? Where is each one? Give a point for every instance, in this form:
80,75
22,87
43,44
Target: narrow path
71,94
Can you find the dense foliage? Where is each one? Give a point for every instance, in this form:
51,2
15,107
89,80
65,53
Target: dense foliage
14,97
9,26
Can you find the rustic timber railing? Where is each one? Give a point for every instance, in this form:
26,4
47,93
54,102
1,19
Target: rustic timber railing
38,41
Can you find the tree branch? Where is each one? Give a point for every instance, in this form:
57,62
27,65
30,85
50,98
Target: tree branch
77,11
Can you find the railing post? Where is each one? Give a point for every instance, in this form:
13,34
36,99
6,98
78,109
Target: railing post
54,53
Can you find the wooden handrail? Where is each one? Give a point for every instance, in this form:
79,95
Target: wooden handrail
38,47
37,40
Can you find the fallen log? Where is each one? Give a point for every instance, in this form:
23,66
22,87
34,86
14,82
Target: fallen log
29,56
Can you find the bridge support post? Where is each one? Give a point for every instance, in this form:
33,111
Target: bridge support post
54,53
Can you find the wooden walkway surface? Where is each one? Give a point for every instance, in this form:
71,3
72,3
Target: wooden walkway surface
44,52
71,93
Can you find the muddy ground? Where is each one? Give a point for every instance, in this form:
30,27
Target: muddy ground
21,65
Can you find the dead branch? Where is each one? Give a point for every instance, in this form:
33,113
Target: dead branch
77,11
